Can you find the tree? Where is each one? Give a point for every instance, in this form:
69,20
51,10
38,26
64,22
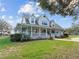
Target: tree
4,26
63,7
18,27
74,20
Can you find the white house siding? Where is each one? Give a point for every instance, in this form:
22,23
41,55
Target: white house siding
53,35
35,35
42,35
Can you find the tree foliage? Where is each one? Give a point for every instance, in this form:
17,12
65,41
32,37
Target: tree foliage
63,7
44,4
20,27
4,26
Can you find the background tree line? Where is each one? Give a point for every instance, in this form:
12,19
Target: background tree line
4,26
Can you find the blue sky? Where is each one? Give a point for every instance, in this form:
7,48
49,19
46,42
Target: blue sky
10,10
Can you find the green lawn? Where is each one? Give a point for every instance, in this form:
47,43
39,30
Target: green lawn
41,49
4,41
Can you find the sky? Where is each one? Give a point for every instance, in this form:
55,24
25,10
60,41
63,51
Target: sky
11,11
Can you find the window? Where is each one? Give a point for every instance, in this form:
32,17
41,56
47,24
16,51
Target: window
27,20
32,20
43,30
35,30
44,23
53,31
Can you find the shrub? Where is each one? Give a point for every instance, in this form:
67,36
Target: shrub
66,35
15,37
19,37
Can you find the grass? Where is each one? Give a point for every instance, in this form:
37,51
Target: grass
4,41
41,49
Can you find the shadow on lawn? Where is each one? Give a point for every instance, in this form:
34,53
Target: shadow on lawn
28,40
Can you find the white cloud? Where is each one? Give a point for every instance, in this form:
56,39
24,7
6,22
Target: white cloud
3,16
31,8
2,8
26,9
10,17
37,4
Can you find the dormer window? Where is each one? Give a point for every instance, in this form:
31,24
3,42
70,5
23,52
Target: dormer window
43,20
53,25
27,20
32,20
44,23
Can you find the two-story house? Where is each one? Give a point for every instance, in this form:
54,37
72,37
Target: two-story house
39,27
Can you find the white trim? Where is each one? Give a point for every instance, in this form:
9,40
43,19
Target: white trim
39,32
31,31
46,32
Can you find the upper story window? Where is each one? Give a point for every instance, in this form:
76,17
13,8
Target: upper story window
27,20
44,23
33,20
42,20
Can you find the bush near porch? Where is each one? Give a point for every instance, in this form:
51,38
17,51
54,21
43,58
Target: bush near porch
19,37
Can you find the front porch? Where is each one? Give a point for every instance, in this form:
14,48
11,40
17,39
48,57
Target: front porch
38,32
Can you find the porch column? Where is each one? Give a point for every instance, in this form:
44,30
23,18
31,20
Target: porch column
39,32
46,33
27,30
31,31
50,33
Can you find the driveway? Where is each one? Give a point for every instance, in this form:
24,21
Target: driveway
70,39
